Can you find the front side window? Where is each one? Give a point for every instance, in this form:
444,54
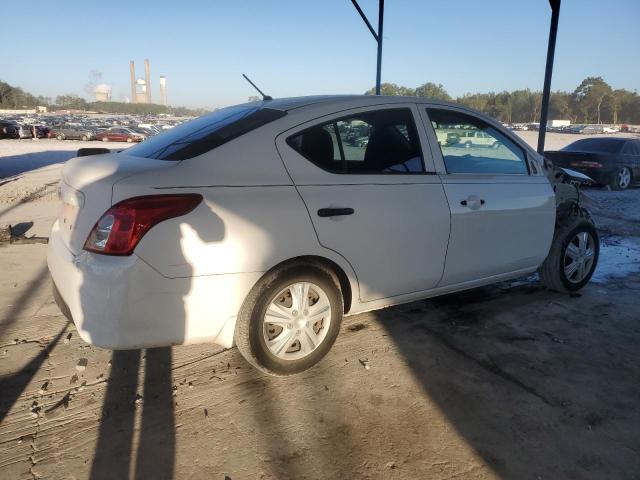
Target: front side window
383,141
470,145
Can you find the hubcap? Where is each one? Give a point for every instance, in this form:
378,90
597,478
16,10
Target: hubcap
624,177
297,321
578,257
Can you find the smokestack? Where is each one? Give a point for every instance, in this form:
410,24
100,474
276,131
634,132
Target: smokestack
163,90
147,78
132,67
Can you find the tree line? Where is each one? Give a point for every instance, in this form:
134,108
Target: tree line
16,98
593,101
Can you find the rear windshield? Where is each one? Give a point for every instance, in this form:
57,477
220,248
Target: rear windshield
205,133
602,145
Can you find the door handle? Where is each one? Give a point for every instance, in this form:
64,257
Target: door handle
334,212
473,202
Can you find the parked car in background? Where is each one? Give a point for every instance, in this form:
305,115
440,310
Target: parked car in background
447,138
24,131
591,129
475,138
260,225
8,129
120,134
608,161
41,131
72,132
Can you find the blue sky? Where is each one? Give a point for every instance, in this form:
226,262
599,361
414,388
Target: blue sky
314,46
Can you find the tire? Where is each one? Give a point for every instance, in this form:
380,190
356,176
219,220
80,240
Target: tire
60,137
622,179
129,140
252,331
84,138
553,271
105,139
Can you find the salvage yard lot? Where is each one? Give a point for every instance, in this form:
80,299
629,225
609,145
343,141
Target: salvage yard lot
507,381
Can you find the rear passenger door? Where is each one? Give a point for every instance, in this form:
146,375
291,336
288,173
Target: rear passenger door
373,196
502,205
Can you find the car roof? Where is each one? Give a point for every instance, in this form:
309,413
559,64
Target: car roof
293,103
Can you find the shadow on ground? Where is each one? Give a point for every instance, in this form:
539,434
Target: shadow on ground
541,385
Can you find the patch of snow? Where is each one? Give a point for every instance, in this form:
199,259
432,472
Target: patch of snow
619,257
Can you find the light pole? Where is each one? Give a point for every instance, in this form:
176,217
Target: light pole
376,35
546,91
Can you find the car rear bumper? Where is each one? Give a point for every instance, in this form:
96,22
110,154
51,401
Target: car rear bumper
123,303
602,176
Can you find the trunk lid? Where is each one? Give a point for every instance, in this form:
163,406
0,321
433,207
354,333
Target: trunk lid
574,159
86,191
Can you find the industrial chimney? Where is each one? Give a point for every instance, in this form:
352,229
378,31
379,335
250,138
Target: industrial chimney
134,97
147,78
163,90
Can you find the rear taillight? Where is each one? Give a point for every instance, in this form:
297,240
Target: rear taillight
122,226
586,164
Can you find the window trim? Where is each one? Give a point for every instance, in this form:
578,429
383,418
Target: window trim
431,133
335,117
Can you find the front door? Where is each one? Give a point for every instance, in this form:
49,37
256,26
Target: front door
373,196
502,213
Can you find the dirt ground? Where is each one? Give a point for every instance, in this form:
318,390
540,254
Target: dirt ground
504,382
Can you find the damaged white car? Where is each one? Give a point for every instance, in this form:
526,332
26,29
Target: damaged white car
262,224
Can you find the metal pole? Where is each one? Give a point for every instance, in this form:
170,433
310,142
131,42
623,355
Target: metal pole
380,26
546,92
377,36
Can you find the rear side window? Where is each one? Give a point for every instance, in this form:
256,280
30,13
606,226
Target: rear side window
205,133
384,141
601,145
470,145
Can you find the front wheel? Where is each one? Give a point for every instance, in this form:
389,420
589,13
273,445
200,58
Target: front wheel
105,139
573,256
622,179
290,319
59,137
84,138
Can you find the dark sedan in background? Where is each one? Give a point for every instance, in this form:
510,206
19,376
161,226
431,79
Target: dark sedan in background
608,161
8,129
71,132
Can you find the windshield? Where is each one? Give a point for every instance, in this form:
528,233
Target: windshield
205,133
602,145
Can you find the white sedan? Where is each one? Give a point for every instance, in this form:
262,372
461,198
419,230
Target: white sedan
262,224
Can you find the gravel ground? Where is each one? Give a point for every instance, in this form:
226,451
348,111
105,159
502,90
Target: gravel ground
508,381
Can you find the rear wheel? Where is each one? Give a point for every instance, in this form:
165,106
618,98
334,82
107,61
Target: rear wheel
290,320
573,256
622,179
60,137
84,138
105,139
